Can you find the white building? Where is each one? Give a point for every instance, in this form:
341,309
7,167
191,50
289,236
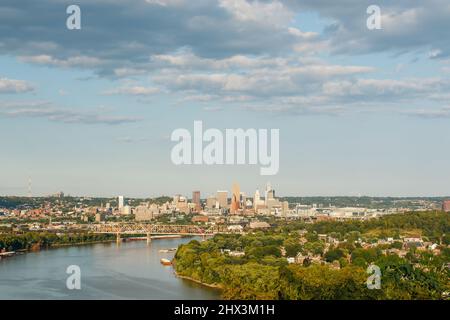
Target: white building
126,210
257,202
121,201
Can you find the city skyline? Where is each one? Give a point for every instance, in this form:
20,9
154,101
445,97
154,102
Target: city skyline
205,194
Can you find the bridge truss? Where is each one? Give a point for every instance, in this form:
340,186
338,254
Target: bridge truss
155,229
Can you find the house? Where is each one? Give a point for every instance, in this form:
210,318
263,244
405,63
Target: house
236,253
259,225
412,242
333,241
291,260
235,228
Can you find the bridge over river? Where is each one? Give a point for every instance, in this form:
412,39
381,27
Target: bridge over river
157,229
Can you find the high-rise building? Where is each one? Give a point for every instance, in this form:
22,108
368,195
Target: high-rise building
121,202
196,200
284,208
222,197
243,200
446,206
181,203
145,213
235,198
211,202
126,210
269,194
256,198
257,202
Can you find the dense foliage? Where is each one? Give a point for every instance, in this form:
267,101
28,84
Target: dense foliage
26,241
264,273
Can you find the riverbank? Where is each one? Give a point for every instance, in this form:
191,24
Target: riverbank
53,246
214,286
59,245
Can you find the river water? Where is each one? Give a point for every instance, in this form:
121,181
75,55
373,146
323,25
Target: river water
130,270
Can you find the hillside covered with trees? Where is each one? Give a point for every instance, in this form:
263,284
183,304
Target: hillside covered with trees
327,271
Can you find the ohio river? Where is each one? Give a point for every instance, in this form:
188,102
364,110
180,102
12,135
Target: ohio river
131,270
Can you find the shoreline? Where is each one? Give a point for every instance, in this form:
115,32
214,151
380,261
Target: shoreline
61,245
55,246
213,286
75,244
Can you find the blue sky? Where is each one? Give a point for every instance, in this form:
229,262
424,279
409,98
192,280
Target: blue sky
90,111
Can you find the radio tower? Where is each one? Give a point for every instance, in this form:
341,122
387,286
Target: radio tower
29,187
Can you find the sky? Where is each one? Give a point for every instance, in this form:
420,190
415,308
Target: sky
91,111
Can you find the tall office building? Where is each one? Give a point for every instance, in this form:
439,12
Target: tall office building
121,202
211,202
257,202
196,200
181,203
256,198
243,200
284,208
269,194
222,198
144,212
235,198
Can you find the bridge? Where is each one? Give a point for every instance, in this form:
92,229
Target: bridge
157,229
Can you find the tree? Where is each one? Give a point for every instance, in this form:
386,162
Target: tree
333,254
292,247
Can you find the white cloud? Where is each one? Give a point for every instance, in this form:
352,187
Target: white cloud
247,76
304,35
430,113
77,61
133,90
188,60
48,111
267,12
390,88
14,86
165,3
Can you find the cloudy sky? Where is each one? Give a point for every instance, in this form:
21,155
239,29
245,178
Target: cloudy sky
91,111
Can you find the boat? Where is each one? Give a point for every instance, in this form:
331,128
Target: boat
7,254
166,262
167,250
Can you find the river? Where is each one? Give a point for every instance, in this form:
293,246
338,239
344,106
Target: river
130,270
